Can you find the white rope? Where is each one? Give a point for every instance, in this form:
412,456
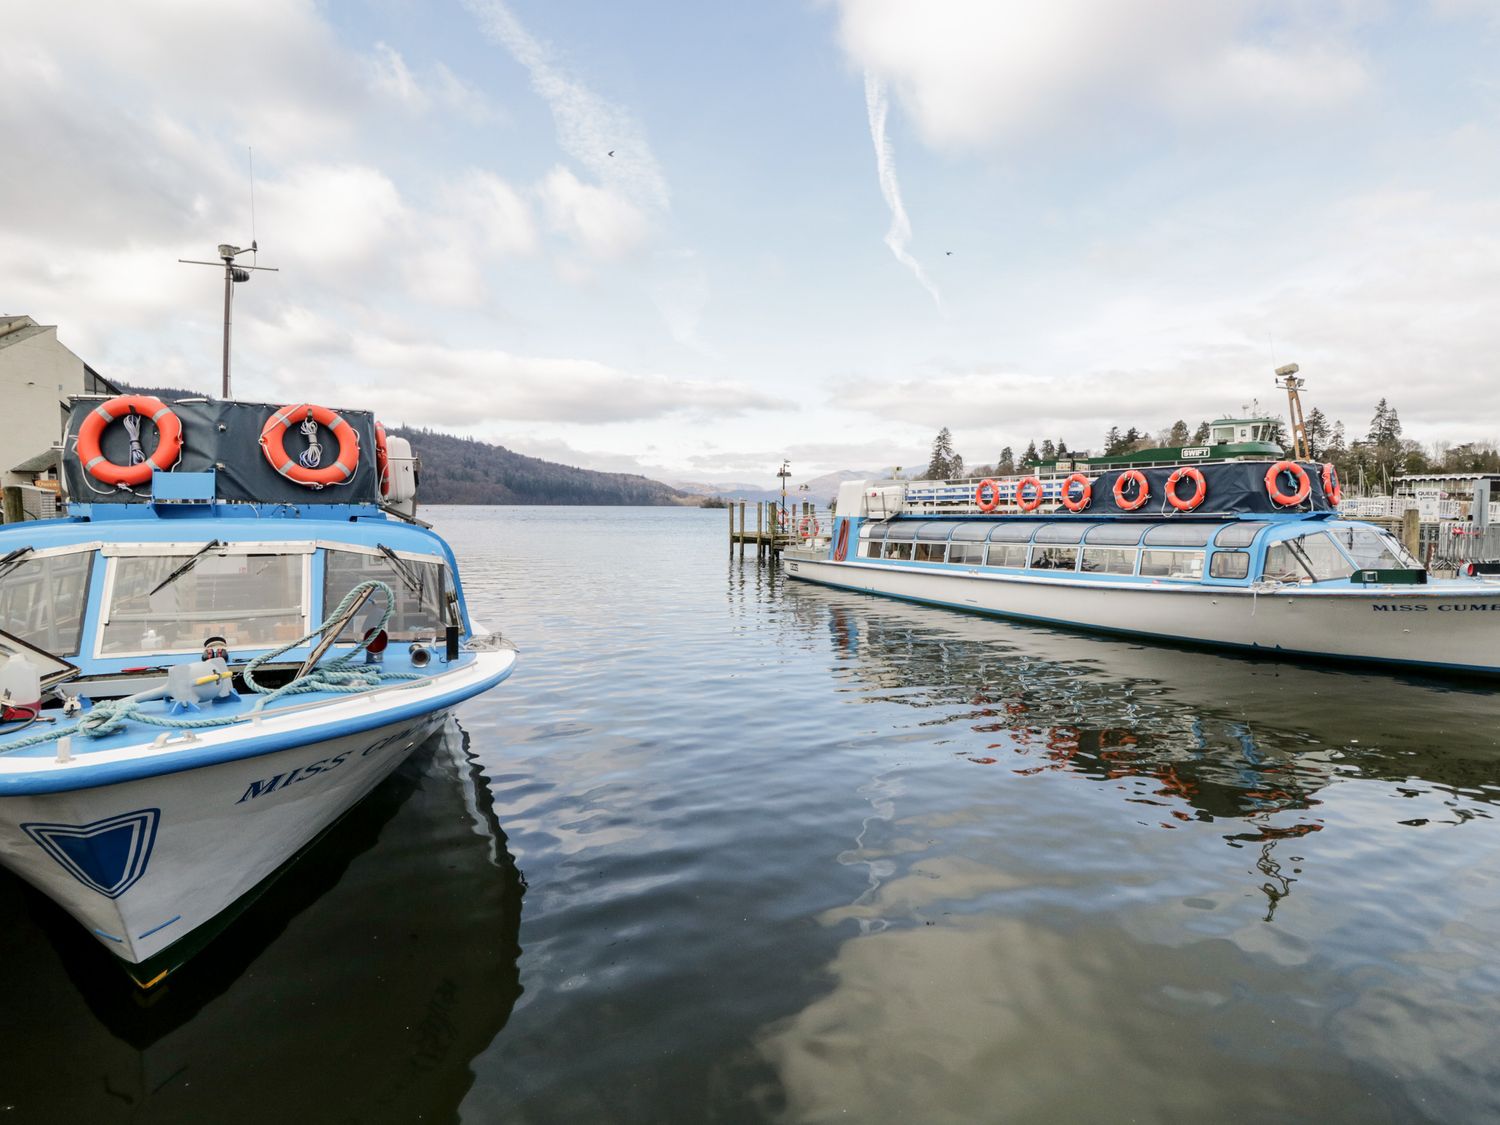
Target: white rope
133,431
312,456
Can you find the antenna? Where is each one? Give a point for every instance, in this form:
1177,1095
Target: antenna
253,246
232,274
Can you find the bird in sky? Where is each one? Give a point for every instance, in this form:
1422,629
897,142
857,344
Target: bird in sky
611,152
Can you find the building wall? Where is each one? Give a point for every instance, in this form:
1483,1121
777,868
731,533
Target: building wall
36,374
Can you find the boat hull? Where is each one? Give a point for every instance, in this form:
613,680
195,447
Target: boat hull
143,864
1451,628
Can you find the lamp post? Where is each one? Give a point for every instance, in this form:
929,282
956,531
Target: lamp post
785,474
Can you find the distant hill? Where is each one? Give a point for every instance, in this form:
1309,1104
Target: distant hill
459,470
820,490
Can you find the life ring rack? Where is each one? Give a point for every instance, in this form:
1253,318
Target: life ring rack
273,445
168,440
1273,484
1200,488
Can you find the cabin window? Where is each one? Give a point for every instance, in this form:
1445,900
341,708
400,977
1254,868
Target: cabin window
1119,534
1229,564
1239,534
1172,564
1007,554
1109,560
870,548
1179,535
253,601
971,554
1017,532
1054,558
42,600
1306,558
418,586
897,549
1060,532
1373,550
930,552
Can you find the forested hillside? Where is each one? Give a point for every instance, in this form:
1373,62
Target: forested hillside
458,470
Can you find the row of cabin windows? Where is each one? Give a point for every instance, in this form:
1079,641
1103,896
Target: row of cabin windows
1187,565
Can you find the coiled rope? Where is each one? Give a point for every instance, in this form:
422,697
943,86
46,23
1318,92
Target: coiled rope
336,677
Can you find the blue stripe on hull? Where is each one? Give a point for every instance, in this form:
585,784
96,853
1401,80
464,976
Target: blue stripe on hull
1192,642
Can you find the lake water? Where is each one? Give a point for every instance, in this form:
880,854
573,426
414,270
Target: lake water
733,848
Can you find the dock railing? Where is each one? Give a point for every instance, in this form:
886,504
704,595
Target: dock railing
766,526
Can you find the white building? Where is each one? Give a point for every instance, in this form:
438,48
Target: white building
37,374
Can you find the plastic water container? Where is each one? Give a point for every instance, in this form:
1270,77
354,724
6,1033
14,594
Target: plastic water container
20,688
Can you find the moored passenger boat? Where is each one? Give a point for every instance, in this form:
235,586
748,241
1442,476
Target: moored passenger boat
1248,555
231,639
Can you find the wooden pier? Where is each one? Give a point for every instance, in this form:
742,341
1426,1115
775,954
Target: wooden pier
772,530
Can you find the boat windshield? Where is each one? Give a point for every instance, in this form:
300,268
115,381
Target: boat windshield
419,587
1373,550
42,600
1306,558
252,600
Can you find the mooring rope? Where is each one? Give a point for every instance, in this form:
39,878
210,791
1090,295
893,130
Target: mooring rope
110,715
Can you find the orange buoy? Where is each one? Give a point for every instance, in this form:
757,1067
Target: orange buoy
272,443
1142,487
1273,483
1029,503
382,460
1084,498
168,440
1182,473
990,503
1332,487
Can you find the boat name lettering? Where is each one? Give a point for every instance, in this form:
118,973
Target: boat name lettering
1477,607
282,780
1401,608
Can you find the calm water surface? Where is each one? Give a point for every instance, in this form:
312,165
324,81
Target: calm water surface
731,848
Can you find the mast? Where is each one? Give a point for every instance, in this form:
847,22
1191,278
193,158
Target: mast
1287,377
233,274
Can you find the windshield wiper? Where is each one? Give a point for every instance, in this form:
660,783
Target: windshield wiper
1299,552
400,567
14,559
187,566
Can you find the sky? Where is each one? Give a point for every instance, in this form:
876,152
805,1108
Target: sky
691,240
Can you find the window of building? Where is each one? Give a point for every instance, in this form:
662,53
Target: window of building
1053,558
1109,560
1187,565
1229,564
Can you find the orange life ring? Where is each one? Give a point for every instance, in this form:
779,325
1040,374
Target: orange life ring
1035,501
272,444
1186,472
807,527
1143,489
168,439
841,545
994,499
382,460
1273,483
1083,501
1333,488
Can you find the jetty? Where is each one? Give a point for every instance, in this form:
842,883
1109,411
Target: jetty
776,525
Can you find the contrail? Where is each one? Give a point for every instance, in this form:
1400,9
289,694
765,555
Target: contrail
885,164
602,137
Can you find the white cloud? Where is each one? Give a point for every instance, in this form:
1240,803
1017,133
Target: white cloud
899,234
588,127
976,72
603,223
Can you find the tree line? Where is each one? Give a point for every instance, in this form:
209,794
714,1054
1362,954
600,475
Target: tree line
1377,456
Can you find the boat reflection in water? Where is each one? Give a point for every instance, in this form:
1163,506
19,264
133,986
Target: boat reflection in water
356,988
1108,880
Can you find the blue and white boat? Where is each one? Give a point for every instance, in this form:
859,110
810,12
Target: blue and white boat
1245,555
225,645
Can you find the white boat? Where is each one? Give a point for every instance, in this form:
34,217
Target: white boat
1246,555
195,693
